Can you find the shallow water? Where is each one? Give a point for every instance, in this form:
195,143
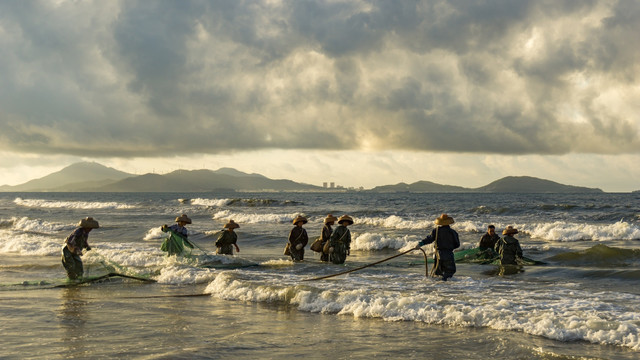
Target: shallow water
582,304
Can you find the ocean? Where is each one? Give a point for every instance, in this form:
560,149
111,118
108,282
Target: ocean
582,303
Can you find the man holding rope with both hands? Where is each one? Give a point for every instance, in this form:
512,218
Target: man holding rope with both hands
446,240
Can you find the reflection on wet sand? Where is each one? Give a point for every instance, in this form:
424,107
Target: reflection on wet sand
72,315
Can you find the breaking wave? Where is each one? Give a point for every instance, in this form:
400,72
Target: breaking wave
25,224
254,218
563,231
41,203
563,315
253,202
373,241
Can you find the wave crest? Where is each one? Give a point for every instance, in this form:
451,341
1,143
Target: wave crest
42,203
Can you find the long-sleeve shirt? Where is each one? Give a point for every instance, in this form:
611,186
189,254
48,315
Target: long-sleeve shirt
509,249
181,230
77,241
488,241
341,235
224,242
298,235
447,238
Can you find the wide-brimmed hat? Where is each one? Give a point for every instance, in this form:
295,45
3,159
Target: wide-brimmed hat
444,219
330,218
231,225
509,230
344,218
88,223
183,218
300,218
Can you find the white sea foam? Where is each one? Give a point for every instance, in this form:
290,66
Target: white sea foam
28,244
562,231
154,234
253,218
185,275
277,263
41,203
137,255
556,231
211,202
397,222
564,314
33,225
372,241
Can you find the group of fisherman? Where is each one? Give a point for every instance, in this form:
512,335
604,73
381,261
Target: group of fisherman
333,244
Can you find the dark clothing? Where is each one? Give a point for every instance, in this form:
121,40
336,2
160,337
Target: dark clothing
509,249
72,264
72,251
77,241
225,242
325,236
488,241
298,235
340,241
446,239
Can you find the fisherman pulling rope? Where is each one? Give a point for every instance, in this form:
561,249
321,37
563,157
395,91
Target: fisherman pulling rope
445,240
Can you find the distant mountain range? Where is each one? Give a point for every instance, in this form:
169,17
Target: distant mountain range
80,176
94,177
509,184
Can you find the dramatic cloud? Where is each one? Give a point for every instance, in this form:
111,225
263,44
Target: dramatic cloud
154,78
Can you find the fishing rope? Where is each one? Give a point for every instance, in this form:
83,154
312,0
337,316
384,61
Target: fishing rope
436,263
201,249
109,275
375,263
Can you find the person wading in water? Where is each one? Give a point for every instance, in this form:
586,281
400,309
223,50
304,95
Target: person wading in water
298,239
174,244
74,244
340,241
446,239
227,238
326,234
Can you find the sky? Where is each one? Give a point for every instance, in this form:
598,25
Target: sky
360,93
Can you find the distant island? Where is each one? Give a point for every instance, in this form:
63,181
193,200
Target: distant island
509,184
94,177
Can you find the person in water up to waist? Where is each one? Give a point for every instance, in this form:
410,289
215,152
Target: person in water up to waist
178,234
340,241
298,238
74,244
488,240
326,234
227,238
509,247
446,239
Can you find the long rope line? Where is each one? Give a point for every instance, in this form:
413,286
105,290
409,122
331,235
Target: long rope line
109,275
375,263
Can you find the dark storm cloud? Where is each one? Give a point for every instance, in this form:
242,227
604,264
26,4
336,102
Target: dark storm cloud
141,78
